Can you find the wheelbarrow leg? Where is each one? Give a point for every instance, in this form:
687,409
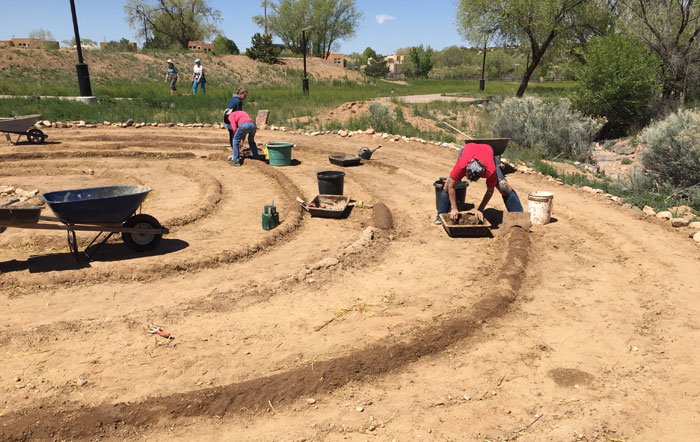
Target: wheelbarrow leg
99,245
73,244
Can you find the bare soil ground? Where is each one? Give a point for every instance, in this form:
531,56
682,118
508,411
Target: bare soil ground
323,329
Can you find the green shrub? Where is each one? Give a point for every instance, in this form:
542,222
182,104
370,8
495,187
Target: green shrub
619,80
380,118
553,127
261,49
673,153
626,161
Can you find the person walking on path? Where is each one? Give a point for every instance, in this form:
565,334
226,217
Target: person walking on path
172,76
198,77
236,104
243,126
476,161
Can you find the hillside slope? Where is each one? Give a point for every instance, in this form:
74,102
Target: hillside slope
104,66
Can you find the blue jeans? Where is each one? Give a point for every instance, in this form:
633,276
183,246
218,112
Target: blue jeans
194,87
248,128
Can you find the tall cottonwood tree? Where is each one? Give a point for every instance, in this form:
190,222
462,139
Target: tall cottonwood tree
330,21
671,30
539,24
173,22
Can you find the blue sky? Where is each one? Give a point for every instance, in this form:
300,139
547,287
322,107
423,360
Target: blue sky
386,25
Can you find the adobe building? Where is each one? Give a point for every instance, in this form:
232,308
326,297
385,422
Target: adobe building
200,46
34,43
393,62
7,44
335,59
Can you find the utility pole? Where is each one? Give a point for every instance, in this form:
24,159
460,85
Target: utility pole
265,13
81,68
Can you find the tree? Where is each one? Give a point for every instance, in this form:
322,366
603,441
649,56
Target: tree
369,53
173,22
539,23
223,45
119,46
377,67
83,41
670,29
618,80
41,34
261,49
419,62
330,21
334,20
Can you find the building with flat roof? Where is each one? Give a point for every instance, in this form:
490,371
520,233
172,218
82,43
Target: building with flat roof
200,46
335,59
34,43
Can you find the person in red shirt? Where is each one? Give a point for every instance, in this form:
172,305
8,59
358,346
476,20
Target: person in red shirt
242,125
476,161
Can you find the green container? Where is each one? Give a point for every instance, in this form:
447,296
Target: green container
280,153
270,217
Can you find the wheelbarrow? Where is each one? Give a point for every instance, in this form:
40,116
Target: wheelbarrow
20,126
106,210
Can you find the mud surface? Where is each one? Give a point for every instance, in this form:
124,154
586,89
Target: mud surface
373,326
463,219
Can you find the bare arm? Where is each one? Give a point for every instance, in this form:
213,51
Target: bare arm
484,202
452,192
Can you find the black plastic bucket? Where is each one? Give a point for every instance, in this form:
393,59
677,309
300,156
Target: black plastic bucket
461,191
330,182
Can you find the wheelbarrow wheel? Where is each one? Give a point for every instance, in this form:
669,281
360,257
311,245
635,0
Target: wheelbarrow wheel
142,242
35,136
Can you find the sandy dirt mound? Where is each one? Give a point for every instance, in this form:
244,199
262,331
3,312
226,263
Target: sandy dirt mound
220,69
333,329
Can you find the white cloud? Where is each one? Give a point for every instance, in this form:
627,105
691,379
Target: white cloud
383,18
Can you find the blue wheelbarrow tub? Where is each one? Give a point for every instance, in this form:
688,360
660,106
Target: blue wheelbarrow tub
96,205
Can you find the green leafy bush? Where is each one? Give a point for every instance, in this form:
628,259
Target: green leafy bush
619,80
377,68
673,153
380,118
552,127
224,45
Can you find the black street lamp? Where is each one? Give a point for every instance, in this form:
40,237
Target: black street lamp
304,81
483,67
81,68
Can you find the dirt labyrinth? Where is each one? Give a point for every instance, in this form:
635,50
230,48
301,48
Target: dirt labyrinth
584,329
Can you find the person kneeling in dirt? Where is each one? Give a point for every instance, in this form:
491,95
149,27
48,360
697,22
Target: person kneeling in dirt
242,125
476,161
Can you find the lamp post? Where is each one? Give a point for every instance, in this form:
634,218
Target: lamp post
483,67
304,81
81,68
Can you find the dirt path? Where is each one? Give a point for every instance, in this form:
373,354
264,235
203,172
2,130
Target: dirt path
580,330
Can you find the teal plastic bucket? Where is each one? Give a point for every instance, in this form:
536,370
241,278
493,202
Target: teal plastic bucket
280,153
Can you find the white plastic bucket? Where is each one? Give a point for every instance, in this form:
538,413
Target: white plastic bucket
540,206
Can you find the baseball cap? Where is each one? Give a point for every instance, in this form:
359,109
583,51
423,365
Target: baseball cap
169,60
197,60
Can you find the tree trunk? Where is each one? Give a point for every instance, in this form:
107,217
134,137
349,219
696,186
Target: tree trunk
528,73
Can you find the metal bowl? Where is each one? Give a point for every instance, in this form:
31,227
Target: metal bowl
497,144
